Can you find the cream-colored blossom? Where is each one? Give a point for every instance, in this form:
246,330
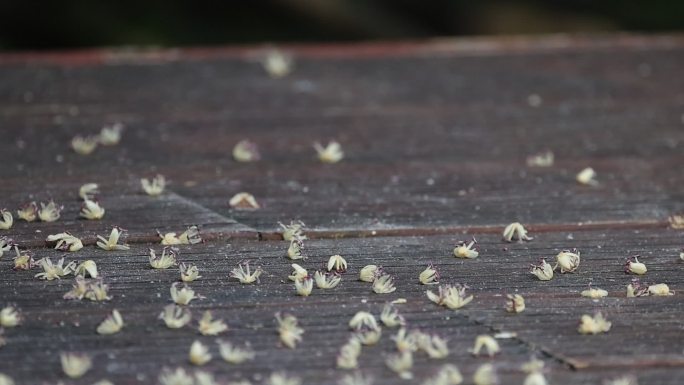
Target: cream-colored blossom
6,219
112,243
112,324
384,284
189,272
49,212
401,363
245,275
660,289
429,276
515,303
594,293
167,258
54,270
485,374
587,177
515,231
332,153
190,236
91,210
175,377
154,186
208,326
369,273
75,365
65,241
594,325
568,261
349,354
486,342
542,270
466,249
633,266
84,145
110,135
246,151
87,268
390,317
293,231
235,354
184,295
298,272
88,191
244,201
175,317
277,64
28,212
326,280
199,353
452,296
10,317
288,329
295,250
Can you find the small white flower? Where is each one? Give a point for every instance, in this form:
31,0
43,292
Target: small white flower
448,374
349,354
543,159
91,210
204,378
75,365
660,289
466,250
175,377
568,261
490,345
243,201
637,289
155,186
434,345
246,151
175,317
384,284
97,291
587,177
78,290
452,296
199,354
294,252
87,268
289,331
633,266
535,378
542,270
304,286
277,64
112,324
235,354
22,261
293,230
355,379
401,363
593,325
110,135
337,263
594,293
88,191
282,379
10,317
6,219
326,280
298,273
65,242
363,320
332,153
54,271
112,243
6,245
515,303
515,231
184,295
485,374
405,341
49,212
28,212
390,316
6,380
429,276
243,273
190,236
84,145
369,273
165,260
368,337
189,272
208,326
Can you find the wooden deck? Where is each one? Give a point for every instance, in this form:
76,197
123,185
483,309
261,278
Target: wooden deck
435,135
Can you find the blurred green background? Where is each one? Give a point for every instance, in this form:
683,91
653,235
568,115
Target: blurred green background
48,24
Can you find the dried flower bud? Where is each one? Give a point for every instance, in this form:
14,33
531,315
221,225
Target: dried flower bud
542,270
384,284
88,191
332,153
189,272
167,258
184,295
660,289
208,326
112,324
65,242
594,293
243,273
91,210
87,268
515,303
293,230
235,354
587,177
326,280
568,261
246,151
515,231
28,212
199,354
466,250
337,263
54,270
84,145
401,363
452,296
633,266
49,212
294,252
485,374
110,135
390,316
369,273
429,276
304,286
593,325
112,243
175,317
290,332
490,345
75,365
277,64
154,186
543,159
10,317
6,219
243,201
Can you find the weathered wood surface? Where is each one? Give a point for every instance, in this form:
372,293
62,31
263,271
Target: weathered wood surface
435,137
